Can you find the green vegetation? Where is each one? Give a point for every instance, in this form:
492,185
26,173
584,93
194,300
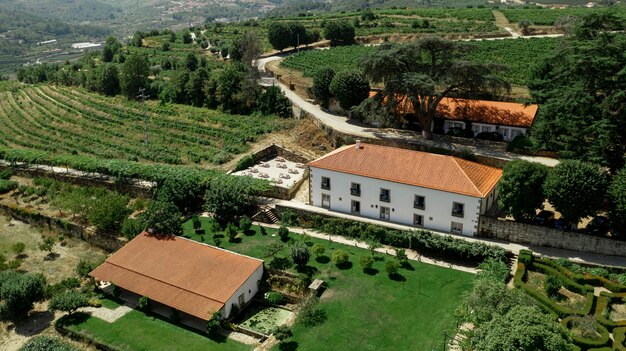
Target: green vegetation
56,119
46,343
548,17
521,188
137,331
379,303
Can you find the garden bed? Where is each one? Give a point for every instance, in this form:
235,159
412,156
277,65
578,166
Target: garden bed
263,318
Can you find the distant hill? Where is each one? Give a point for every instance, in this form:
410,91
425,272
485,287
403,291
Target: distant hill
63,10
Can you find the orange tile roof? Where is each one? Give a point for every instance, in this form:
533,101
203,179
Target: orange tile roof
194,278
482,111
433,171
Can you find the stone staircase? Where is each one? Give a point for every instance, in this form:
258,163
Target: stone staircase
267,214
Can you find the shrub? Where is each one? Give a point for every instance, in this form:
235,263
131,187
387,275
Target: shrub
283,233
245,163
282,332
143,303
163,218
83,267
231,232
401,256
300,253
131,227
340,257
586,326
195,221
47,244
289,218
392,267
525,257
318,250
7,185
366,262
263,230
108,213
350,88
321,85
494,270
6,174
18,248
309,314
552,285
275,298
47,343
245,223
68,301
213,325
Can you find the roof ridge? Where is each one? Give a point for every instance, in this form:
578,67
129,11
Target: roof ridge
164,282
467,176
220,249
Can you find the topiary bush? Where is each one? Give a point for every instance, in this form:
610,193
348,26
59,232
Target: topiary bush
552,285
275,298
310,314
340,257
583,328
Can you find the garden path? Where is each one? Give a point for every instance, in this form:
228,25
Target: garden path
106,314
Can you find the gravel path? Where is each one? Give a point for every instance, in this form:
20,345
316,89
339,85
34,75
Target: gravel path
106,314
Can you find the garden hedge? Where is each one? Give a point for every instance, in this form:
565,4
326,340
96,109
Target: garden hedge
584,342
526,257
619,337
567,282
584,278
7,185
604,301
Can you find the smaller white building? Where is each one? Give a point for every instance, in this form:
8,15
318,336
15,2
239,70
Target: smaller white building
419,189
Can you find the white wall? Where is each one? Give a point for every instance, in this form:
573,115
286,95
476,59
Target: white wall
249,289
437,213
508,133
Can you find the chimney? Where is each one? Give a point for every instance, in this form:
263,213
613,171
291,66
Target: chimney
358,144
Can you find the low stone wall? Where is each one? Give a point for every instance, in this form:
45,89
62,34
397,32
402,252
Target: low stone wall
59,225
277,150
495,228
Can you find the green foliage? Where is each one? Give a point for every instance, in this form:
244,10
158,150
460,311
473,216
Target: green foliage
275,298
526,327
552,285
576,189
289,218
300,253
494,270
310,314
230,197
366,262
489,299
213,325
340,257
134,75
47,244
526,257
7,185
617,195
6,174
321,85
339,33
273,249
521,188
18,292
143,303
586,332
245,223
18,248
392,267
274,102
83,267
163,218
350,88
46,343
279,35
318,250
283,233
68,301
108,213
282,333
231,232
131,227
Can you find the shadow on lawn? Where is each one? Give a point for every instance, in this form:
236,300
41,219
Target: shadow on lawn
36,322
308,270
397,277
288,346
73,319
344,265
323,259
370,271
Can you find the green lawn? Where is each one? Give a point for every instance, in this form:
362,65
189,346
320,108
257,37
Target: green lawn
368,312
136,331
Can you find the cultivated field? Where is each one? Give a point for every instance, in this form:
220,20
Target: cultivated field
72,121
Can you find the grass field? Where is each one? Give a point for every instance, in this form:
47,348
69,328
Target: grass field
367,311
519,55
139,332
66,120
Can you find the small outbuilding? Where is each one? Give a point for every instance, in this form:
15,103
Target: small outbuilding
190,277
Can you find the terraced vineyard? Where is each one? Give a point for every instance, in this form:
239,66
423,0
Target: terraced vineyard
520,55
66,120
547,17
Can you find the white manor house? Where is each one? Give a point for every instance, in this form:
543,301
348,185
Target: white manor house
420,189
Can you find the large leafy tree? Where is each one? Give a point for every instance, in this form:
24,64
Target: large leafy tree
522,328
229,197
68,301
350,88
339,33
617,194
279,35
581,88
419,74
134,75
521,188
18,292
163,218
321,85
576,189
110,80
488,300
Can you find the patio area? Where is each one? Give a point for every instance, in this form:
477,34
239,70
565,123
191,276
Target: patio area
278,170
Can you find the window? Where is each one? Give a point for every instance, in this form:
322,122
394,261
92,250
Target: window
355,189
457,228
419,202
384,213
242,300
385,195
418,220
458,209
325,201
356,207
326,183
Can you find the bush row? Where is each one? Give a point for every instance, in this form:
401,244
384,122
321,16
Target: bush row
583,342
585,278
567,282
604,301
546,303
420,240
619,339
7,185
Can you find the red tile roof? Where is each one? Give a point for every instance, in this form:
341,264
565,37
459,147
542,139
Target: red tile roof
481,111
433,171
191,277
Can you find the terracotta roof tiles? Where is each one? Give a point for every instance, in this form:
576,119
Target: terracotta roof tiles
433,171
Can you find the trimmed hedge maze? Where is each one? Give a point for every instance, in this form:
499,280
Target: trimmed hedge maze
592,318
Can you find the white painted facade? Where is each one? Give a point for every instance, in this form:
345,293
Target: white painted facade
245,293
508,133
436,213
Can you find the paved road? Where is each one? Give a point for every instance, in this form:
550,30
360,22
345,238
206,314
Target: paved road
344,125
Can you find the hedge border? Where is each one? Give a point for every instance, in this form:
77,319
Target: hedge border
604,301
585,278
619,336
584,342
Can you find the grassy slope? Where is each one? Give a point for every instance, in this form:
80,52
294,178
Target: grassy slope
369,312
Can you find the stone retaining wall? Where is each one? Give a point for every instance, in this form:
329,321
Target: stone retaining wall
495,228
